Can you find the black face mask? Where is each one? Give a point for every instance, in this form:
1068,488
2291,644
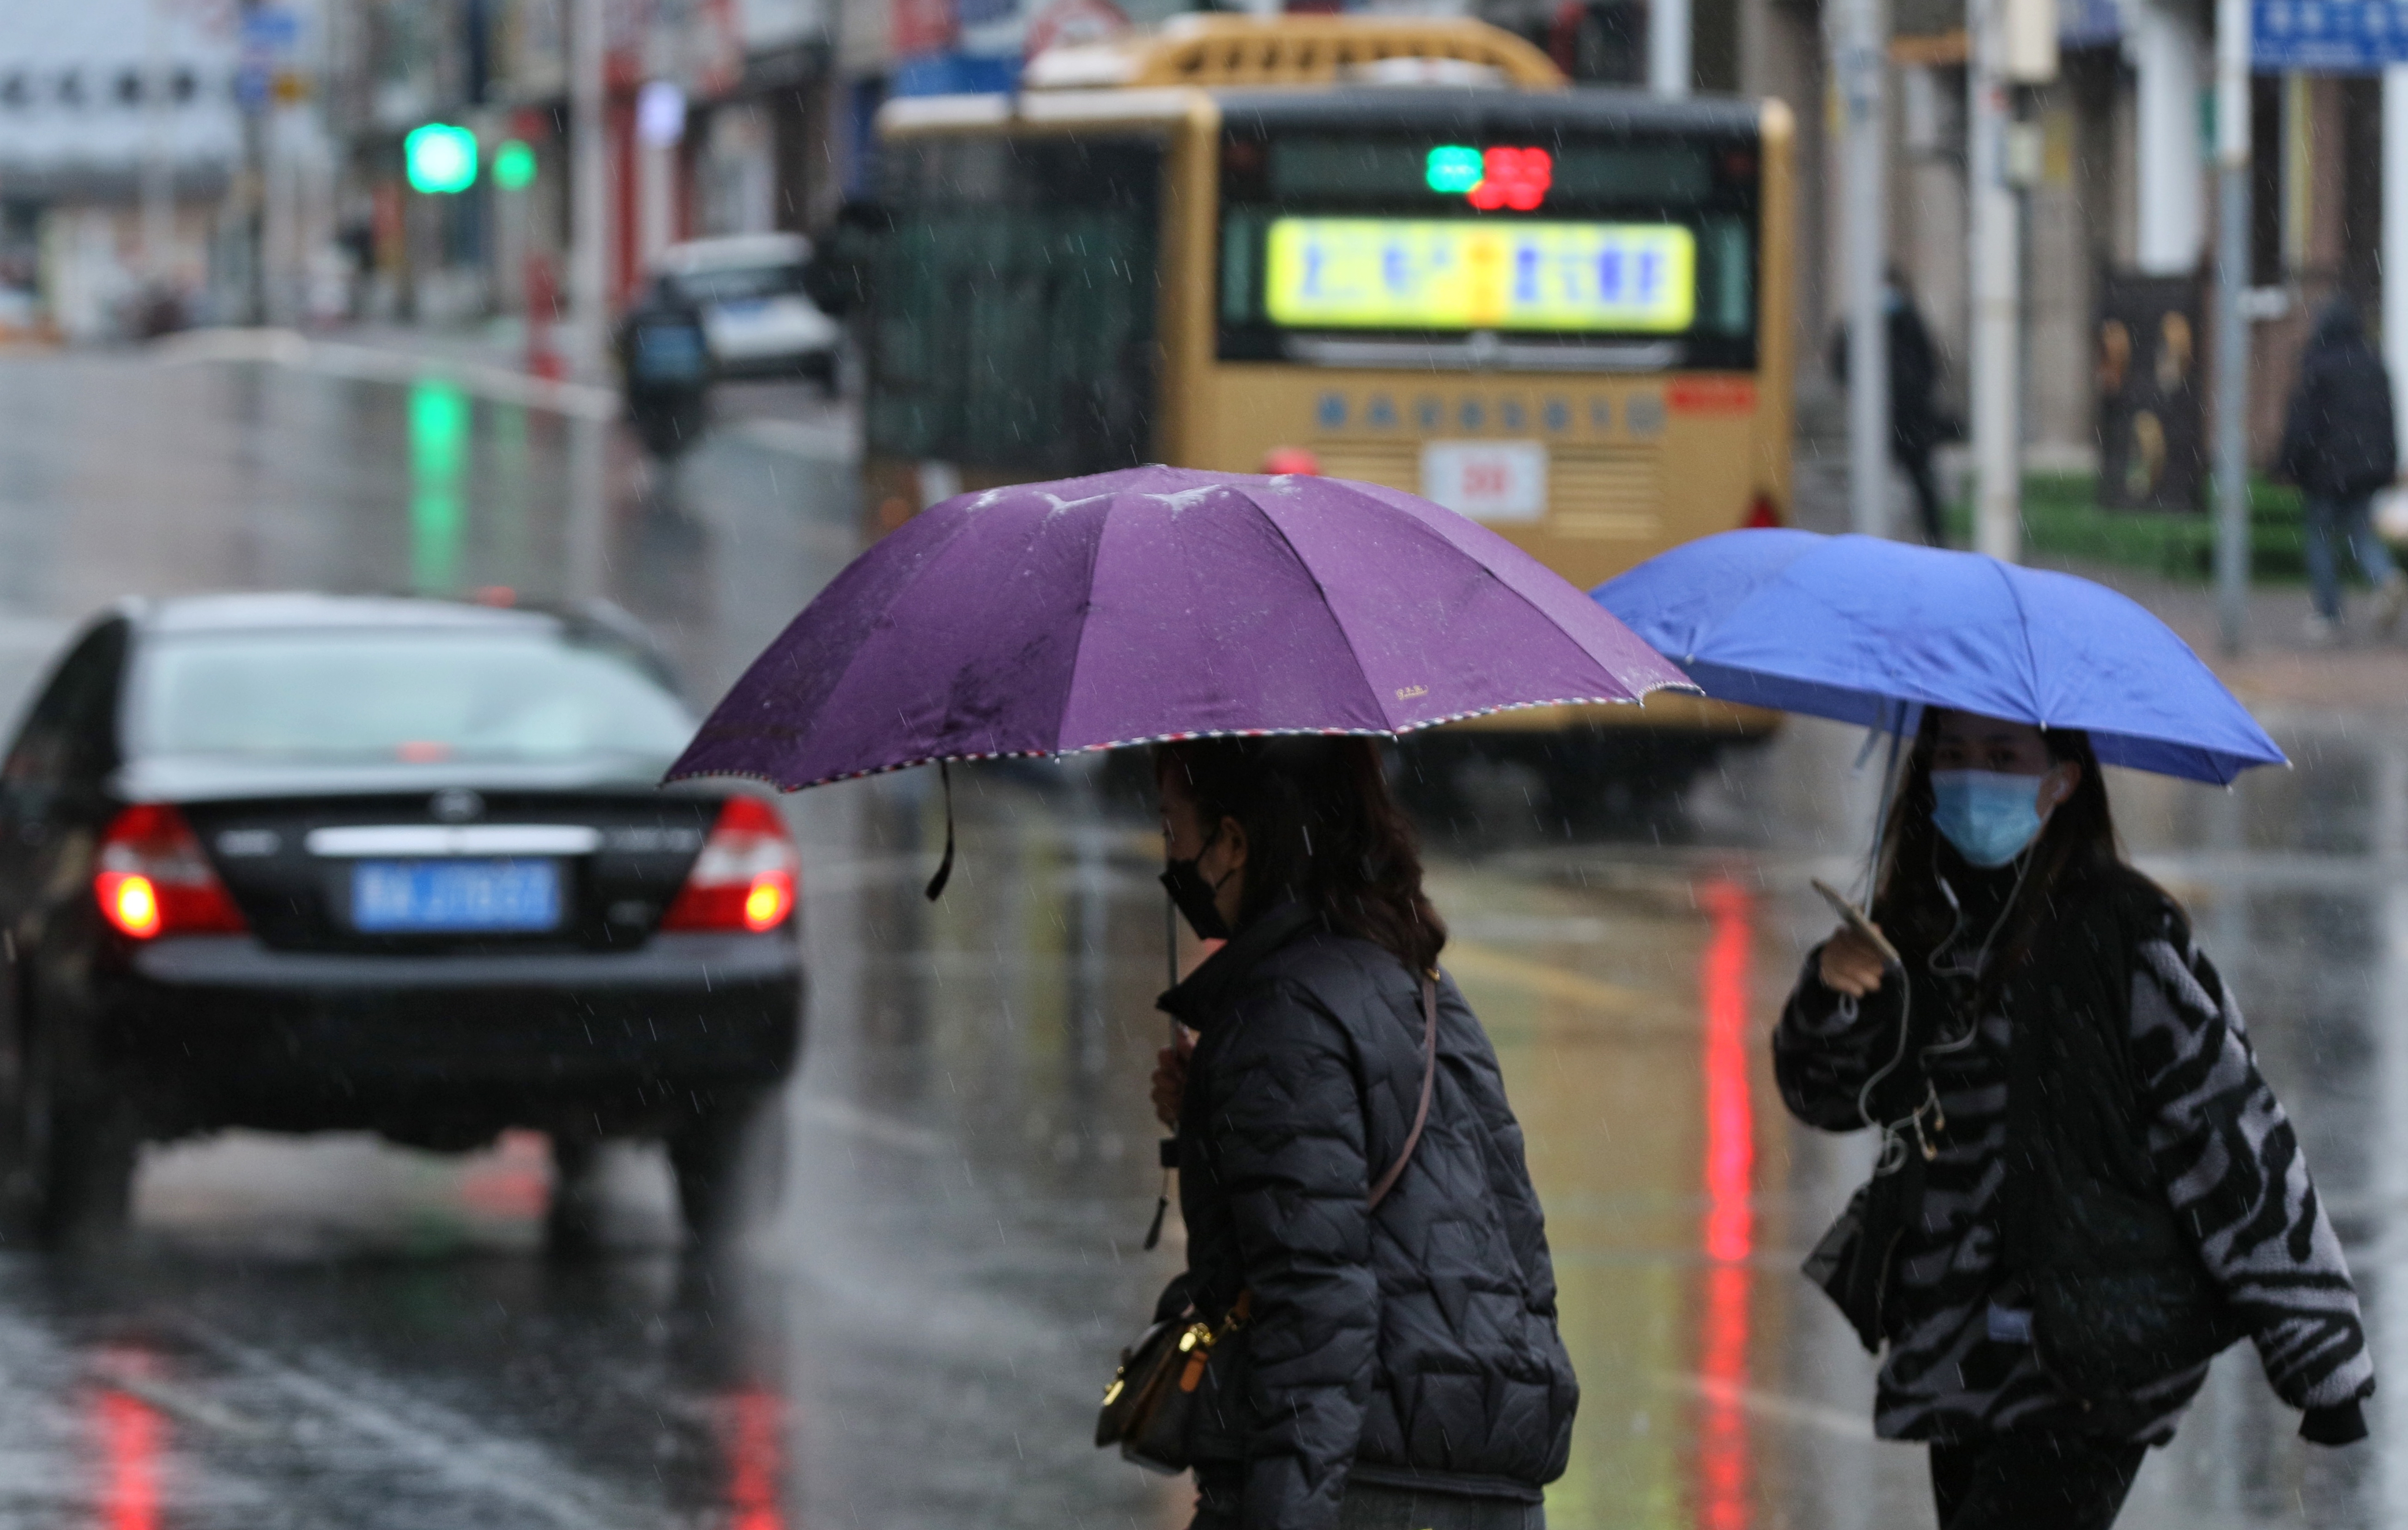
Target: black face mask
1192,896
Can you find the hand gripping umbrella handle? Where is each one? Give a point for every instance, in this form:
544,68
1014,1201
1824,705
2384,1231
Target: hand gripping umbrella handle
1853,918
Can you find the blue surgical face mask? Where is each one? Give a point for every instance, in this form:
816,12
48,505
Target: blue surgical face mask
1988,816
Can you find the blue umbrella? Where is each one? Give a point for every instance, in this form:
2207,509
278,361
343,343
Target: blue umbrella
1861,630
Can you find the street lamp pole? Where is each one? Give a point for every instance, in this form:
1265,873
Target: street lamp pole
589,189
2232,23
1996,242
1857,40
158,183
252,207
2394,238
1670,63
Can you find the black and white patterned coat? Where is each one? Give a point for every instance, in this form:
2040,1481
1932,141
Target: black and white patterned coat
1960,1364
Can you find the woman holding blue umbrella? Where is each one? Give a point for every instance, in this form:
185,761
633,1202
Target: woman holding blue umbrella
2086,1188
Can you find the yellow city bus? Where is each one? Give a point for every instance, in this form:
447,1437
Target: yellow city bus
1401,244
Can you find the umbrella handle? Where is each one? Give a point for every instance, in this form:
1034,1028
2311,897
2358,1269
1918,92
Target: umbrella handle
944,867
1169,1146
1853,918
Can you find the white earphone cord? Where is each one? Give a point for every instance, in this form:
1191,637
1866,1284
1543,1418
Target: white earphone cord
1893,1134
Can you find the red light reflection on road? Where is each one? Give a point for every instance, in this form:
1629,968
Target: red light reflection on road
1725,980
755,1462
130,1434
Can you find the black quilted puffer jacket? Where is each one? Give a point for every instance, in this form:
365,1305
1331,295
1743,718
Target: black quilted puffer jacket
1413,1346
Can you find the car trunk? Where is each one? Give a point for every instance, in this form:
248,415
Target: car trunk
584,869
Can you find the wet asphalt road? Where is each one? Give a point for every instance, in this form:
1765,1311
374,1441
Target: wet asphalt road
336,1333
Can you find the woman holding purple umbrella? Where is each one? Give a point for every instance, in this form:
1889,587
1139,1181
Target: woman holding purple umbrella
1361,1229
2086,1189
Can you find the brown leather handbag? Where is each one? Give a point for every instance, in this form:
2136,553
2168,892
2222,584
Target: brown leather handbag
1146,1408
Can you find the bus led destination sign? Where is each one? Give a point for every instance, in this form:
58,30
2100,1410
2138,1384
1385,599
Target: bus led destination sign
1463,274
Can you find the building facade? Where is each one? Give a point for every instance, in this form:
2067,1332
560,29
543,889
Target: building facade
160,162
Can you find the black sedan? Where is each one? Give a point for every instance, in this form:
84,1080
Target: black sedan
304,863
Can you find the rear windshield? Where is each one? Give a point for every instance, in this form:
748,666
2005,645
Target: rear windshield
736,283
418,698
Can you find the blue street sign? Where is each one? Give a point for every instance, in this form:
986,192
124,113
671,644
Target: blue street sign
270,29
2327,36
2087,23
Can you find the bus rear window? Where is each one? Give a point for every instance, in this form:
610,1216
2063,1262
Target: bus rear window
1551,239
1012,305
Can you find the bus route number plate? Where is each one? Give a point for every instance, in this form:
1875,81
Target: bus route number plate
1487,480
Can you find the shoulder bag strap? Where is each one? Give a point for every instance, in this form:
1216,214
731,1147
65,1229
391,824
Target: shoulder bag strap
1429,1082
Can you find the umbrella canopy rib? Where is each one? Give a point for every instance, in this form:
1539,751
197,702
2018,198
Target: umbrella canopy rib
2040,689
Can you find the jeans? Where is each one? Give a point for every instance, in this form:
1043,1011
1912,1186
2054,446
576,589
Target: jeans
1917,466
2354,517
2023,1482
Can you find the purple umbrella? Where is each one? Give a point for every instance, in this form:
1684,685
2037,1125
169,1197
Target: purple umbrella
1158,603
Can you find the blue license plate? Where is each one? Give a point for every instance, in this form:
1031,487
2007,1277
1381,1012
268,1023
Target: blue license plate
454,897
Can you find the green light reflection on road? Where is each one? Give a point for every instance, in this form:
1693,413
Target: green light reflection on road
438,460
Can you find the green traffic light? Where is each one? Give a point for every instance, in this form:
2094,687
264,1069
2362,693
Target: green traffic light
1453,169
440,158
513,165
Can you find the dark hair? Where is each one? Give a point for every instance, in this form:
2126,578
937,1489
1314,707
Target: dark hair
2079,837
1321,826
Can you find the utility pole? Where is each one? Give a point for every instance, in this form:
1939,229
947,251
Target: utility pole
1858,36
1995,240
588,191
252,207
2232,24
158,185
589,294
1669,65
2171,218
2395,238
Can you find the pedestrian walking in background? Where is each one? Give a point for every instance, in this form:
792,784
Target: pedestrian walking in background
1361,1226
1916,425
2086,1189
2340,446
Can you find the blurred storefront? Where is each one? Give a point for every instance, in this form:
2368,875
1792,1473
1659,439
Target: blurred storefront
159,166
2119,197
716,116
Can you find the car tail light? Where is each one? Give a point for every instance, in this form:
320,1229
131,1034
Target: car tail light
1762,513
744,878
154,879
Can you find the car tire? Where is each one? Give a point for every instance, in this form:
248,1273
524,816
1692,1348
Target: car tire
573,1217
73,1150
70,1145
730,1166
87,1184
